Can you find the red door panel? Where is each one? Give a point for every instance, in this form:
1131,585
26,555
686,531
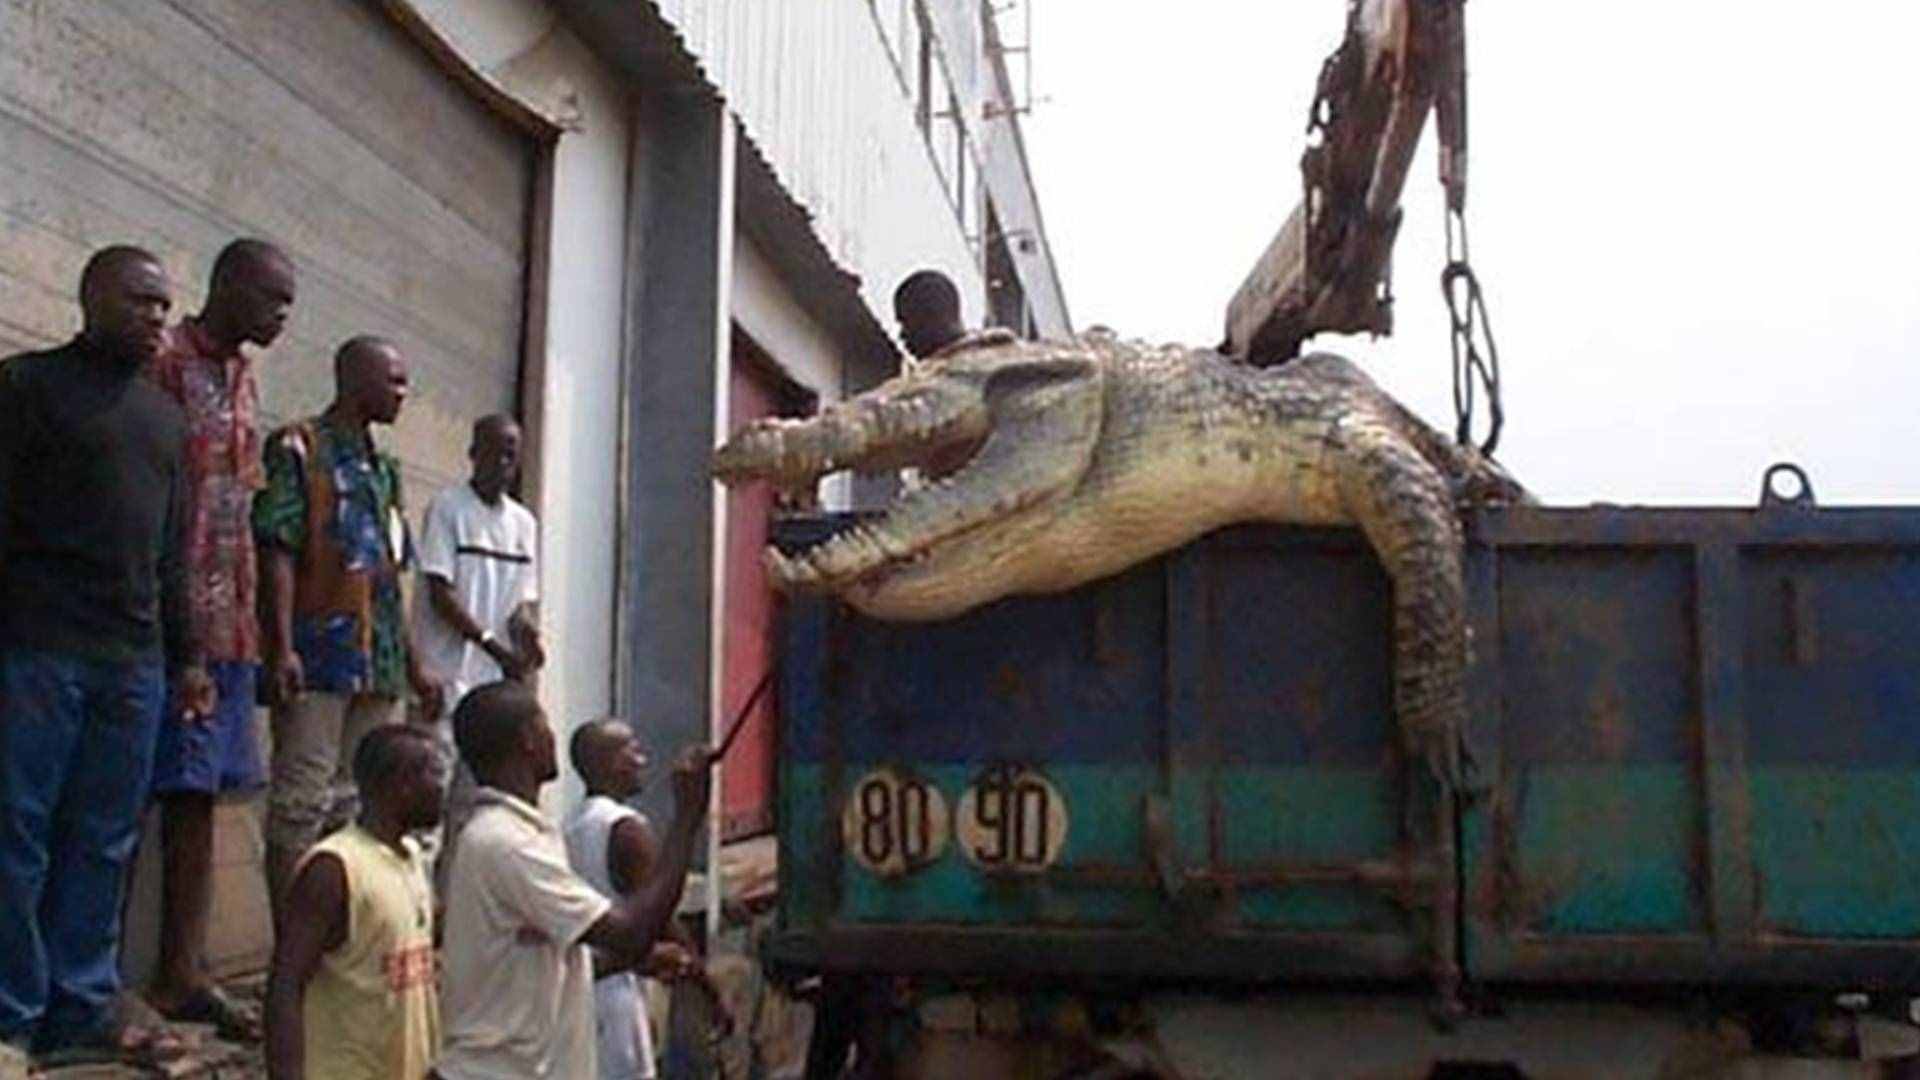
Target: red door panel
747,777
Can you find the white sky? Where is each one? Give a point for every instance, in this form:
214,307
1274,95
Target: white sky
1697,223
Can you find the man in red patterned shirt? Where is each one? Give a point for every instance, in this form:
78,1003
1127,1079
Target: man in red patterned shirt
207,750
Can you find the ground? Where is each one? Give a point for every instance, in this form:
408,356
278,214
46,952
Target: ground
205,1057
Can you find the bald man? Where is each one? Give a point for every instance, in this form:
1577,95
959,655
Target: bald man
209,748
91,625
333,541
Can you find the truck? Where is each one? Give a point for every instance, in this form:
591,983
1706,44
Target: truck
1168,823
1161,825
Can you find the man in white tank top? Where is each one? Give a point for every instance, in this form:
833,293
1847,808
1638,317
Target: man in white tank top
614,847
523,928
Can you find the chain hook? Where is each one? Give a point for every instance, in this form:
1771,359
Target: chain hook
1474,371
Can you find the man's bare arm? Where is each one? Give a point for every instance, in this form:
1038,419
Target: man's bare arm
315,924
284,674
447,606
633,849
638,918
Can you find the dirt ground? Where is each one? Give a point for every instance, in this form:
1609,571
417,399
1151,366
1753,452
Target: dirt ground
203,1056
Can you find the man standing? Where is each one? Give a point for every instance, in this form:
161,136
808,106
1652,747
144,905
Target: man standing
91,622
519,998
616,848
479,564
333,540
204,368
351,992
479,560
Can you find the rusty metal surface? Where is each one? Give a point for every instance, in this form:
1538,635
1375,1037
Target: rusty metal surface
1694,729
1698,728
1275,849
1042,954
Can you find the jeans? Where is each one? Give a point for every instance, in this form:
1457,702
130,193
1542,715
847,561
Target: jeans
76,755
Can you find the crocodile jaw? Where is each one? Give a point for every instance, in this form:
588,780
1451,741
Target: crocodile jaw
1000,440
886,428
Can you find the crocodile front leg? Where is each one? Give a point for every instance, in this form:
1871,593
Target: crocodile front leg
1402,503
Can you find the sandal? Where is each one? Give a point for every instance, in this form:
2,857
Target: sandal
130,1044
229,1019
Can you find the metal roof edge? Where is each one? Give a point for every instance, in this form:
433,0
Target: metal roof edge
641,43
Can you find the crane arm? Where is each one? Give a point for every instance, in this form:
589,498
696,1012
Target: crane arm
1329,268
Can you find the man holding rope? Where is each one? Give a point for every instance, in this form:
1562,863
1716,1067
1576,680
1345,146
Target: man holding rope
518,971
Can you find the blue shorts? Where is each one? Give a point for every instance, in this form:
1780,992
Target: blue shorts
219,754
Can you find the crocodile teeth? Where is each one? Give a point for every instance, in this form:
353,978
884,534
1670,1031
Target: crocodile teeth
792,573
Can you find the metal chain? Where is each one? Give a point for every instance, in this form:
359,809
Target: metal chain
1474,372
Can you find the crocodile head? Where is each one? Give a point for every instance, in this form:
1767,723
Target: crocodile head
1001,433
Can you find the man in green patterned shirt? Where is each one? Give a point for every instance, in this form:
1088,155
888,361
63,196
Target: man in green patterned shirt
332,535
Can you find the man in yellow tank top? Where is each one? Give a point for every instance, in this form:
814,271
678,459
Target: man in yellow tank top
351,995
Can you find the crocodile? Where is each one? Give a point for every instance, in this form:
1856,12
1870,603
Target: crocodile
1046,465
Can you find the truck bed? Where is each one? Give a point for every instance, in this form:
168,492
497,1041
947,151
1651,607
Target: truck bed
1695,738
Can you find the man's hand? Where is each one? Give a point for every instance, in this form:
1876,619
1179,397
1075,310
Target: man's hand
670,961
512,665
196,695
693,779
525,635
286,678
427,689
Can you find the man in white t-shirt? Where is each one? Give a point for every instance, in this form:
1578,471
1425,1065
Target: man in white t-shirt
479,565
479,557
518,974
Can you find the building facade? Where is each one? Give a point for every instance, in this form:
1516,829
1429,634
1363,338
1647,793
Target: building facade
632,224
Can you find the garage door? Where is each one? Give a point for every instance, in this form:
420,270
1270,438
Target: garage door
180,124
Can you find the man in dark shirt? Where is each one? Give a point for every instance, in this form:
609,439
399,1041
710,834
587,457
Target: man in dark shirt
90,622
928,307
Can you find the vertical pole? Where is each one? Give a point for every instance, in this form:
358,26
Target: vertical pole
722,407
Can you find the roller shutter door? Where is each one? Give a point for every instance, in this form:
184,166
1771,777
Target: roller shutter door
179,124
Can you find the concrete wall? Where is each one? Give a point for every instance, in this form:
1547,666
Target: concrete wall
181,124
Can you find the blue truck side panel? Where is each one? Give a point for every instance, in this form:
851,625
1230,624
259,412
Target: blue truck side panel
1695,736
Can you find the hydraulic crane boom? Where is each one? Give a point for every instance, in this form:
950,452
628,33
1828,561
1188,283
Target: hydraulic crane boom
1329,268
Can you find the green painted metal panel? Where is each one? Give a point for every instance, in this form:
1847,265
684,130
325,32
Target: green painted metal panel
1835,851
